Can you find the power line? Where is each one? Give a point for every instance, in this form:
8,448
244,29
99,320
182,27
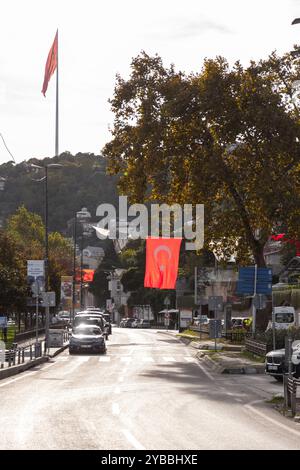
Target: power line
13,158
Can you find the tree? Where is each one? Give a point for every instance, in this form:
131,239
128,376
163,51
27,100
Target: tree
27,231
12,275
225,137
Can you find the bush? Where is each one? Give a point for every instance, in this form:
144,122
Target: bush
267,337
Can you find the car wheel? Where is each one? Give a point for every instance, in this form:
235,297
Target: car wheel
279,378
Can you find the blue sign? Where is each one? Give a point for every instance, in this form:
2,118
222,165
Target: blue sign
246,281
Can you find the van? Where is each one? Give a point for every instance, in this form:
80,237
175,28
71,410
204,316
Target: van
284,317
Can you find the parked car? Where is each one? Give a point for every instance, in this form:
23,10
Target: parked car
127,322
276,366
87,318
135,323
144,324
87,338
64,316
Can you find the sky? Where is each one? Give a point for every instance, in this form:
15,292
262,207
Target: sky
97,40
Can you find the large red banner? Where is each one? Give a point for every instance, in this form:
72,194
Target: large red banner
51,63
162,258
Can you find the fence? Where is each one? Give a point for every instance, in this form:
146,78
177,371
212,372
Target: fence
290,393
237,336
256,347
20,355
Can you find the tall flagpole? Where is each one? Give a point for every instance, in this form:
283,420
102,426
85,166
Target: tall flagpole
56,112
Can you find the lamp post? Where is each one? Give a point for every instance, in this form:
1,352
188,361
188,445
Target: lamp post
45,179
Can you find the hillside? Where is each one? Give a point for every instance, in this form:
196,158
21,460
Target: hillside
81,182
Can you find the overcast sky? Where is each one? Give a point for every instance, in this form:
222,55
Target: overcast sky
98,39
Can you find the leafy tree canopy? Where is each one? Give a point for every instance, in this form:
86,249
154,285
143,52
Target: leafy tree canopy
225,137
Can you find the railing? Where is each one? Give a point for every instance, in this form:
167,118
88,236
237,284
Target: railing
290,393
256,347
19,355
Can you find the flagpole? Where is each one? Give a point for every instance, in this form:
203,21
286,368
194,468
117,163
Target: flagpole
57,109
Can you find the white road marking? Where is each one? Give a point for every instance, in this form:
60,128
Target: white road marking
190,359
117,390
121,379
168,359
104,359
126,359
115,409
147,359
133,441
250,407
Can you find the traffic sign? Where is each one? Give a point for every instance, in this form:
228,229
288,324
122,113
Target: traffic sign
215,302
215,329
246,281
260,301
3,322
49,299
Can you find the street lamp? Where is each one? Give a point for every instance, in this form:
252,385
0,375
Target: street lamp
45,179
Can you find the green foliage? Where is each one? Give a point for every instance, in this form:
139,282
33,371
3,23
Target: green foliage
172,142
26,232
81,182
12,275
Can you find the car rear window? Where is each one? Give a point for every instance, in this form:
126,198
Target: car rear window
87,330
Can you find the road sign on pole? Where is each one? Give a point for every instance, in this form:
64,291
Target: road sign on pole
248,283
260,301
215,302
215,329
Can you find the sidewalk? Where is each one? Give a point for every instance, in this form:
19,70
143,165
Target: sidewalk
8,371
227,359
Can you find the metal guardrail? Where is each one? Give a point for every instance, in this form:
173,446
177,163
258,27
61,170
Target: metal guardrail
19,355
256,347
290,392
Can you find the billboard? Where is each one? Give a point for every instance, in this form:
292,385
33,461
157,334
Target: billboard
66,291
36,275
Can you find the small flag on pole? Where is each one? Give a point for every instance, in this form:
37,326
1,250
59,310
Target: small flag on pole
51,63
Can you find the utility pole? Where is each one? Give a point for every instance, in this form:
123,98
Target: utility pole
46,261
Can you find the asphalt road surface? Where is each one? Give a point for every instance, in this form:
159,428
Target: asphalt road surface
147,392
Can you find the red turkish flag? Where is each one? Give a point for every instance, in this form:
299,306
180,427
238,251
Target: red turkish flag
162,258
278,237
87,275
51,63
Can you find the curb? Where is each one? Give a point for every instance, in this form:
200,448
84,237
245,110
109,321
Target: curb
14,370
243,370
58,351
210,363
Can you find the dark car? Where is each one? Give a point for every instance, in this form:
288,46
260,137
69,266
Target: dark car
276,365
143,324
87,338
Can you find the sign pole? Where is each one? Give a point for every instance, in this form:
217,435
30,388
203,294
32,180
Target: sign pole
253,304
215,320
273,323
37,313
195,285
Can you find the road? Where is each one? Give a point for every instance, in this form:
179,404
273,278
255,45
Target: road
147,392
